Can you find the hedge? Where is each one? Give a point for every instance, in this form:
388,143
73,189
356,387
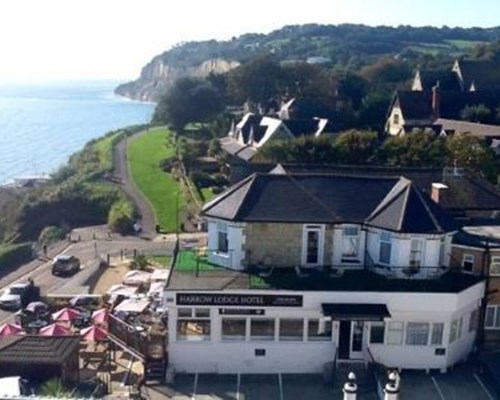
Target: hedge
14,255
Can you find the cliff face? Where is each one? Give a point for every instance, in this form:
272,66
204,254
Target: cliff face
158,75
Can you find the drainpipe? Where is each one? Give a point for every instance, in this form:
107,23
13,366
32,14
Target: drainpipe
484,303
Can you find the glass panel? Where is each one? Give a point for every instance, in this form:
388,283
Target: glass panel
416,252
312,256
184,312
319,331
202,313
395,332
357,336
417,333
490,317
291,329
193,330
453,330
495,266
385,253
262,329
437,333
468,262
497,318
350,242
377,331
222,244
233,328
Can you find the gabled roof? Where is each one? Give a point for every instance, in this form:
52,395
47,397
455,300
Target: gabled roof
457,127
448,80
387,202
416,212
37,349
482,74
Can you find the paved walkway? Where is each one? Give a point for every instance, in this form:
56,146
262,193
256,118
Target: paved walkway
122,175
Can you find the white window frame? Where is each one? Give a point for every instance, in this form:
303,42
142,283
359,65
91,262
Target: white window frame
420,250
222,229
413,331
377,325
468,258
320,229
495,261
350,258
392,327
186,314
385,238
496,318
437,332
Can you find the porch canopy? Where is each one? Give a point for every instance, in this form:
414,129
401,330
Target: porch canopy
355,311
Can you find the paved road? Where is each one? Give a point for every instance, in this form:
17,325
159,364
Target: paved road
87,251
122,175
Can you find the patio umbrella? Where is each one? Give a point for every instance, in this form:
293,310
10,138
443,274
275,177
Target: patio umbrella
55,330
37,306
100,316
10,329
94,334
66,314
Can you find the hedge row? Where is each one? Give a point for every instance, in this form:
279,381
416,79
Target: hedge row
12,256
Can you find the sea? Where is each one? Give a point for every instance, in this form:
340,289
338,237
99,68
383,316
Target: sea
41,125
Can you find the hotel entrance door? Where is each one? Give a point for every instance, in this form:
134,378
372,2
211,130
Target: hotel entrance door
351,340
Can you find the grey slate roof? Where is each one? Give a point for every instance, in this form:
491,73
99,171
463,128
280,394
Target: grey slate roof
448,80
392,203
37,349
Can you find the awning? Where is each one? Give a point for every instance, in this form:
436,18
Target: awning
356,311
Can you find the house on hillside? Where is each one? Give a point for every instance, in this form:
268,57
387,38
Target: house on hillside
310,269
255,131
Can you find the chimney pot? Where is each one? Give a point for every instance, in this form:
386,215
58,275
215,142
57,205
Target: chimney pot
437,191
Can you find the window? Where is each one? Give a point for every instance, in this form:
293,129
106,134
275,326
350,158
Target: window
222,242
319,330
473,320
189,327
312,245
291,329
385,248
395,331
350,243
377,331
262,329
492,318
468,262
442,251
437,333
456,329
417,333
234,329
495,265
395,119
416,251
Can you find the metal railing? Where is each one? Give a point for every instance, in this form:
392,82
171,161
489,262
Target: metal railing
378,371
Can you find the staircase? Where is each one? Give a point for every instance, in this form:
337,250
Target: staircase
155,371
367,386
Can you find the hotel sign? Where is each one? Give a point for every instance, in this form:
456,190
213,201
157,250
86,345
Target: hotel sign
238,300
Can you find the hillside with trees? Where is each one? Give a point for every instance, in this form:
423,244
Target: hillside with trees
345,47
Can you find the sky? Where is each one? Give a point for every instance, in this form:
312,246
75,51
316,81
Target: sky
46,40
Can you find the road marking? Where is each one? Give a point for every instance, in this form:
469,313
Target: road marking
280,382
440,392
483,386
238,385
195,386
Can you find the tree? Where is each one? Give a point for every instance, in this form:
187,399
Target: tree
354,147
473,153
189,100
476,113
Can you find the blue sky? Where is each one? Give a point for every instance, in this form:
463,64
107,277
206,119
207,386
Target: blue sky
113,39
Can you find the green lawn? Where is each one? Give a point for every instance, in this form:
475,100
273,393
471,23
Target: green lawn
162,191
164,261
189,260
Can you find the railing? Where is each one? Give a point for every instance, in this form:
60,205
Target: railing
377,370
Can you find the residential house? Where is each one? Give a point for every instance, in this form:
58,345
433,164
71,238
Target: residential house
317,268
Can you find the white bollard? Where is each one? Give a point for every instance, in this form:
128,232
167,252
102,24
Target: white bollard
391,389
350,389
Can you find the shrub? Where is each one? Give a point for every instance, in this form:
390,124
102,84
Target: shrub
140,262
168,163
122,217
220,180
11,256
201,179
51,234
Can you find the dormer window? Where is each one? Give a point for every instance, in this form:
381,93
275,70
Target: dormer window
350,243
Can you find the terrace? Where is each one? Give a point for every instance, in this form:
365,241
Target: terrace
192,271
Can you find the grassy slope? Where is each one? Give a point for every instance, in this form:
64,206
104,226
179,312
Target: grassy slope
144,154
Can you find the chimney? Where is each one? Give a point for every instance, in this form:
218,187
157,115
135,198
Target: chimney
437,193
436,101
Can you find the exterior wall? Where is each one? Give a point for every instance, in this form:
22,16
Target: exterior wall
217,356
392,128
234,257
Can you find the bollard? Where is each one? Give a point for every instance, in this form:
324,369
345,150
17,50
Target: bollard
391,389
350,389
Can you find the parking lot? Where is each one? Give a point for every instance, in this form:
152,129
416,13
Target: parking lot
460,383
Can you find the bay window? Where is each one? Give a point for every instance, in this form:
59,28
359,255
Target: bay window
417,333
395,332
416,252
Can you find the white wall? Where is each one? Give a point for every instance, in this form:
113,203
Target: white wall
235,236
217,356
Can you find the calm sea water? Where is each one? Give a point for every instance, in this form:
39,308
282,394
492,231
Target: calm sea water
42,125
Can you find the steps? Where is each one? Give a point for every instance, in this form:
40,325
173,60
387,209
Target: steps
155,371
367,386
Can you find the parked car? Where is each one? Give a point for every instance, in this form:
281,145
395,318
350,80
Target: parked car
18,295
65,265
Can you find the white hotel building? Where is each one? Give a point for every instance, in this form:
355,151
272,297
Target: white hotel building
307,270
